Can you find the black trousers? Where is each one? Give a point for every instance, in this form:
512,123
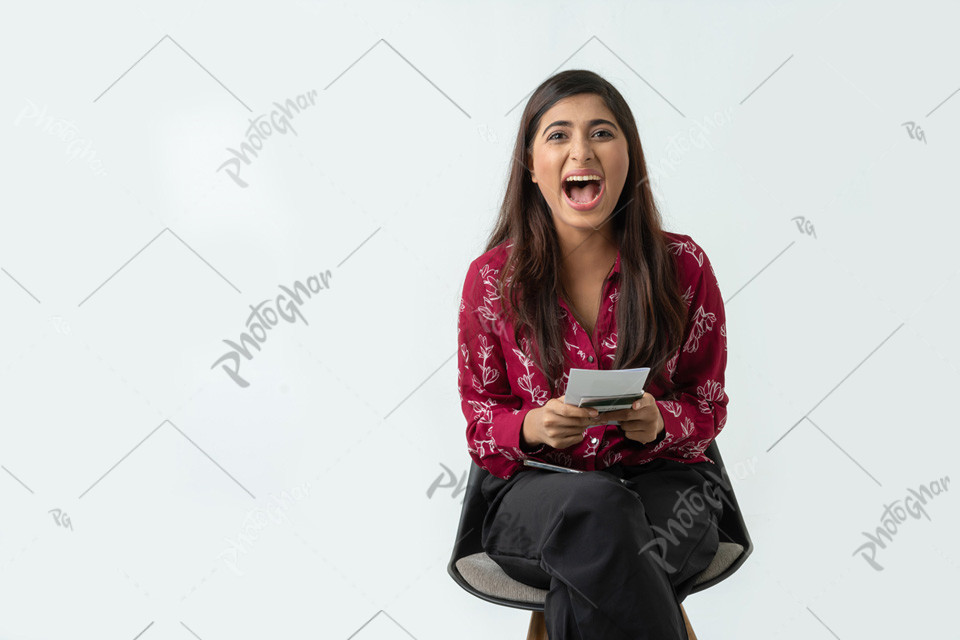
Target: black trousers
618,548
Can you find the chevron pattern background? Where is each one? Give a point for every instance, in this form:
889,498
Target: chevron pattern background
231,250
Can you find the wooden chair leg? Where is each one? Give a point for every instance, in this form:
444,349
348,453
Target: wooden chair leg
538,626
686,621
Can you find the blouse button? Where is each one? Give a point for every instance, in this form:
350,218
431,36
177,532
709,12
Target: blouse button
589,358
593,440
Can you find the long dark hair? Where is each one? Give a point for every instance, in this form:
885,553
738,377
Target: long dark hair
651,312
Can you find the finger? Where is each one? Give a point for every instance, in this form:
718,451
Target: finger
567,430
642,432
587,422
574,415
563,443
636,425
619,414
574,411
625,414
568,405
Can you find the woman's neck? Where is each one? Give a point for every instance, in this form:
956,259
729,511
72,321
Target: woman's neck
587,256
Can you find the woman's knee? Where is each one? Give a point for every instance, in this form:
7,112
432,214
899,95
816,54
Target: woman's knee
603,500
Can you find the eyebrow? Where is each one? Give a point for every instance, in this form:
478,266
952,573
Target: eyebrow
567,123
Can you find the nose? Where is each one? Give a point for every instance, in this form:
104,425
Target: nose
580,148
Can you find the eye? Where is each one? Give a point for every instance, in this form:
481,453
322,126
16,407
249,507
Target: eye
603,131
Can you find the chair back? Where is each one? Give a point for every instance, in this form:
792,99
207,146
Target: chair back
468,542
731,525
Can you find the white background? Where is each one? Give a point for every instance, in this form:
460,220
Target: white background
128,258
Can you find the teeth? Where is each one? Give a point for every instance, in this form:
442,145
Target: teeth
583,178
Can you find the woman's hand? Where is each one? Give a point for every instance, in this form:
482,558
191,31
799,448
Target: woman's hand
643,422
558,424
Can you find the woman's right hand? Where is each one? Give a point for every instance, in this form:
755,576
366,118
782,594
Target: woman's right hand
557,424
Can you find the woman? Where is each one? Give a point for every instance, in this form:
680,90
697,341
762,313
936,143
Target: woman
579,274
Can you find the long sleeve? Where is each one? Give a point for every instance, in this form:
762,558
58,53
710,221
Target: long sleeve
493,412
698,410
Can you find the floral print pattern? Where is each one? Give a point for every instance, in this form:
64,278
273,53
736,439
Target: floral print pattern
499,383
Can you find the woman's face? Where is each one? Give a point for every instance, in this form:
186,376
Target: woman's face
579,135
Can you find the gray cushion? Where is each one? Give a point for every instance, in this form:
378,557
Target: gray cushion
727,554
486,576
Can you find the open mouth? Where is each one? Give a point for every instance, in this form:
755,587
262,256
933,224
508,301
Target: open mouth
583,192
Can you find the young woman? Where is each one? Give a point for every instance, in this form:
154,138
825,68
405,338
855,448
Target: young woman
579,274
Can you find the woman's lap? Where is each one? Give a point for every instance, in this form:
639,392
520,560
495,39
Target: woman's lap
671,507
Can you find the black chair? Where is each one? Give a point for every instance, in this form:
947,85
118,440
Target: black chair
477,573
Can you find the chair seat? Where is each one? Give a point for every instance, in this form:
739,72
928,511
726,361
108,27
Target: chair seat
486,576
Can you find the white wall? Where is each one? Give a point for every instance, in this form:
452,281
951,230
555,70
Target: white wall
297,506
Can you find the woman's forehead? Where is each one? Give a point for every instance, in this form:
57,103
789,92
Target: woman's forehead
577,109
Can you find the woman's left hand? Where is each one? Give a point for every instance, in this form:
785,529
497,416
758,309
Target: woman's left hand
642,422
